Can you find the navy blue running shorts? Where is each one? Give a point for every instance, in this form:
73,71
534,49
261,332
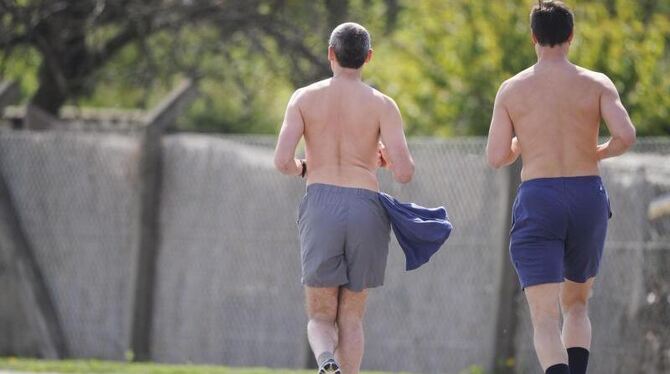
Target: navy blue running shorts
558,229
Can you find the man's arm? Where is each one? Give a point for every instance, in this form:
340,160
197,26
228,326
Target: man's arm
502,147
617,120
395,151
291,131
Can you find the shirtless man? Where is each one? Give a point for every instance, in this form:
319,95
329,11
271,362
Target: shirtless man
561,210
343,228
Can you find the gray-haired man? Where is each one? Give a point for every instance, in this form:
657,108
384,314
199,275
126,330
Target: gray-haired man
344,230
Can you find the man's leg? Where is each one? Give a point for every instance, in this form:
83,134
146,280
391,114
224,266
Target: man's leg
576,323
321,306
350,324
545,315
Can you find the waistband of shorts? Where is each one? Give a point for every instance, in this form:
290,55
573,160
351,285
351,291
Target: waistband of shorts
331,189
560,181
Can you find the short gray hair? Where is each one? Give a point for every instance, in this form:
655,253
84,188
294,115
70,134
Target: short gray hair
351,43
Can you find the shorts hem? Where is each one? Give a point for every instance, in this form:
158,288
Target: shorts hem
539,282
346,285
362,288
324,284
581,279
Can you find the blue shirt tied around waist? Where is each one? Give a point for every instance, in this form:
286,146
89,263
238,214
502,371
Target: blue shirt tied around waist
420,231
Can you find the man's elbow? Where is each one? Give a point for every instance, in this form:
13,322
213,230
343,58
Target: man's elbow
628,138
282,164
494,162
404,175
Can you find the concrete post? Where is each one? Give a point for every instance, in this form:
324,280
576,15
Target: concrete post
506,324
157,121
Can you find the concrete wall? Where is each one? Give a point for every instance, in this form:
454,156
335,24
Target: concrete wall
228,269
437,319
75,195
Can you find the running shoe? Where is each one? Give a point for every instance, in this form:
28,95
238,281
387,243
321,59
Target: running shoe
329,367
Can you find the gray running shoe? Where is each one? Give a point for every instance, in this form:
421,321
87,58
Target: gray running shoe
329,367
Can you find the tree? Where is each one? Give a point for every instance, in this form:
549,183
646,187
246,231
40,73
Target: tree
76,40
441,60
450,58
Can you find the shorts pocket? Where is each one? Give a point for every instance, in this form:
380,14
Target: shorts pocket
301,208
515,207
603,191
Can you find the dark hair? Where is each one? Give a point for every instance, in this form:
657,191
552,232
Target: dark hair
552,22
351,43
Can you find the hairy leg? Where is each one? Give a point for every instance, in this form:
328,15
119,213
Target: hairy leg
350,323
545,315
321,305
576,323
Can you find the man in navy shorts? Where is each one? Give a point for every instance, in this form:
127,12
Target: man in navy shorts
549,114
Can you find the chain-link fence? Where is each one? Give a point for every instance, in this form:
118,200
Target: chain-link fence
74,199
227,276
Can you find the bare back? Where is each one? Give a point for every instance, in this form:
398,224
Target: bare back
555,111
342,130
343,120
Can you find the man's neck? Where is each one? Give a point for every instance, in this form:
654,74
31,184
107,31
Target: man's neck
556,54
348,74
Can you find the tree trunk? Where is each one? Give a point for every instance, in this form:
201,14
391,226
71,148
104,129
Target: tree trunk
392,12
337,12
66,67
49,97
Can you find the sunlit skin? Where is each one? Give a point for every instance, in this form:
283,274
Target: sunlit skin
554,108
350,131
342,120
549,114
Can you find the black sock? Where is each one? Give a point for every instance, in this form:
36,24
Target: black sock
558,369
579,359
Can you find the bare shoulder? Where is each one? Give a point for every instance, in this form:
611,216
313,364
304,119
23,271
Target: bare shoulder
383,101
509,86
305,93
317,86
521,76
599,79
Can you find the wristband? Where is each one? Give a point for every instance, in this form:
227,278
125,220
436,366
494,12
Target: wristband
304,168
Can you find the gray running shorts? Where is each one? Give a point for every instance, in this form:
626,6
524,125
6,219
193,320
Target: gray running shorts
344,237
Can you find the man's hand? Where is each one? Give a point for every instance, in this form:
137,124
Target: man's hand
601,151
614,147
382,157
516,149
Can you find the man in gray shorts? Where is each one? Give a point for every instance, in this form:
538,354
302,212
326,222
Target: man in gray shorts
344,236
344,229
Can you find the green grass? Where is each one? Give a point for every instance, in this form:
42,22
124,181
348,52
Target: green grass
111,367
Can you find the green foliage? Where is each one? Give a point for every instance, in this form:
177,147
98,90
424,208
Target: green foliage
447,59
629,41
22,67
442,61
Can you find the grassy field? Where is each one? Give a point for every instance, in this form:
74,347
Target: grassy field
109,367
